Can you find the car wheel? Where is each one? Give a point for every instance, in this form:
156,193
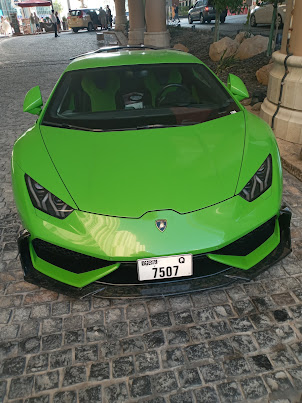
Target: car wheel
90,27
253,21
190,19
279,22
202,20
75,30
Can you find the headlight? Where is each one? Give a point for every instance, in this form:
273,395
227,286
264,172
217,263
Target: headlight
260,182
45,201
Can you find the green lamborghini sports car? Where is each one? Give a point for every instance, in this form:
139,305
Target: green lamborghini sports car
143,176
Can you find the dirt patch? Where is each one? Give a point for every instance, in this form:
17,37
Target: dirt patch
198,43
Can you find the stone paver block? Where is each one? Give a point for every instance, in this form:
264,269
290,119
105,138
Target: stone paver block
253,388
278,381
13,366
110,349
74,337
164,382
138,326
30,346
212,372
140,386
123,366
60,358
197,352
96,333
236,367
76,374
37,363
92,395
206,394
86,353
68,396
21,387
199,333
172,357
177,336
154,339
116,393
189,378
147,362
132,345
229,392
260,363
52,342
160,320
47,381
99,371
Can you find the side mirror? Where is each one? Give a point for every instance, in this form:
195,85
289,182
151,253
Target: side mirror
33,101
237,87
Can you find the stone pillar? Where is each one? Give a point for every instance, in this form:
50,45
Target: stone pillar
137,22
120,15
288,121
295,43
157,34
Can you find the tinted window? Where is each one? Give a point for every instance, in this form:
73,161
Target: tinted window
124,97
75,13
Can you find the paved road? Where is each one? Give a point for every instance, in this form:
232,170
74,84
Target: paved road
241,343
232,25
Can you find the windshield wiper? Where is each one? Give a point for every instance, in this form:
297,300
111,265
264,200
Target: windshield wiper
72,127
157,126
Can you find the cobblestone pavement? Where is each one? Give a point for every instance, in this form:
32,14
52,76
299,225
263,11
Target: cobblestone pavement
242,343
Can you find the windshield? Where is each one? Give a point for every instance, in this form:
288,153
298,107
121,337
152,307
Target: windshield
138,96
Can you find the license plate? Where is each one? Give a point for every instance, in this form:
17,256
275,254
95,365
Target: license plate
158,268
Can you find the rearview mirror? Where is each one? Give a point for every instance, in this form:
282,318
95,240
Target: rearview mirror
237,87
33,101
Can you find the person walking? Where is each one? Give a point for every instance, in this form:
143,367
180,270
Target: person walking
32,24
109,16
53,19
58,21
176,13
37,22
103,18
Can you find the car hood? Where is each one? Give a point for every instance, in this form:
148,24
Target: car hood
128,173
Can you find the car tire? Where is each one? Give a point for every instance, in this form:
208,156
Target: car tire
90,27
75,30
253,21
190,19
202,20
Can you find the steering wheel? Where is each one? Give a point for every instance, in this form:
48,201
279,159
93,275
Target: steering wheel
161,96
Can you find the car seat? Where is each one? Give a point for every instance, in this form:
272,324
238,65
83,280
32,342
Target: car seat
102,98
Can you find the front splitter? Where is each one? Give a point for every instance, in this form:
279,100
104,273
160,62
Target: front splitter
101,289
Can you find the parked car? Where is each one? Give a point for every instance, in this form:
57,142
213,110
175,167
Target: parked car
80,19
144,175
204,11
263,14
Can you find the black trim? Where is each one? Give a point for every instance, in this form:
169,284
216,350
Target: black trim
206,281
67,259
249,242
78,263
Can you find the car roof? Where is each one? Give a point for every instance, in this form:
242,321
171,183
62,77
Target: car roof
131,57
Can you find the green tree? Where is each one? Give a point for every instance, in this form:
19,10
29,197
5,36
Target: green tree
57,6
220,6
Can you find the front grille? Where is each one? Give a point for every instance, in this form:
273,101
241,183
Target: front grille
67,259
79,263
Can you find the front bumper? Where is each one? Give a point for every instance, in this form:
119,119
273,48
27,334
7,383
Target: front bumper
214,273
